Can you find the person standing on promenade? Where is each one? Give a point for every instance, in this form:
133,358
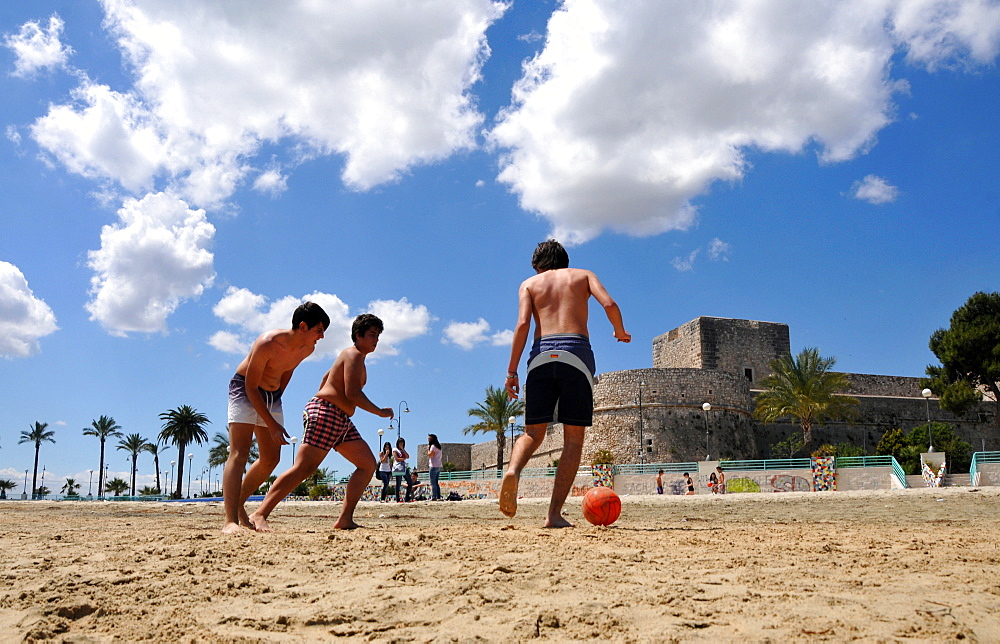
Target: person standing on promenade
434,465
327,425
255,408
659,482
561,368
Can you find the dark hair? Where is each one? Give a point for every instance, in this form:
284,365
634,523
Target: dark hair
387,447
548,255
400,440
660,472
686,474
432,439
364,322
312,314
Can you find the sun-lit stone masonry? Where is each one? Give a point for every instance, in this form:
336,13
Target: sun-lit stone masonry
655,414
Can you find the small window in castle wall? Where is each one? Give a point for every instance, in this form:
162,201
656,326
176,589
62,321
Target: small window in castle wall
748,372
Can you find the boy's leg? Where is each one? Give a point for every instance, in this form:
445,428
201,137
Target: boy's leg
240,438
360,455
569,463
524,447
307,460
399,488
269,453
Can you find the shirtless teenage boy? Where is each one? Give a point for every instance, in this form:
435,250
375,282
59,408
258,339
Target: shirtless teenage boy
328,425
560,368
255,407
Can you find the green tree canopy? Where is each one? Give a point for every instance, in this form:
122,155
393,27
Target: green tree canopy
154,449
103,428
116,486
969,351
494,417
907,447
804,388
181,427
37,435
70,487
6,484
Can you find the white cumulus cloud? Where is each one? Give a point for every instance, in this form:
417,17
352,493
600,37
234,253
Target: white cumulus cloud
468,335
718,250
253,314
385,85
156,256
36,48
874,190
633,109
23,317
685,264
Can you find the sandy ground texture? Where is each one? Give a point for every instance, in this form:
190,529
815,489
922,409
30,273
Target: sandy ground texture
900,566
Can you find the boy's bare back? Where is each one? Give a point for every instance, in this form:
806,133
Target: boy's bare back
558,301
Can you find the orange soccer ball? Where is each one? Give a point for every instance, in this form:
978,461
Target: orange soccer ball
601,506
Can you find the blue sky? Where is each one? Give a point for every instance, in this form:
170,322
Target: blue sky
176,177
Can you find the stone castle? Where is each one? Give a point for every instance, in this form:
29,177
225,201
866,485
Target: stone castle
658,415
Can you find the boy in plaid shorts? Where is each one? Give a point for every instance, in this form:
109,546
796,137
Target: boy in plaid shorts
327,424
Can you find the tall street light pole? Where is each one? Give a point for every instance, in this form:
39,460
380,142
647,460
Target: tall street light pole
511,421
378,445
190,466
90,487
927,393
642,445
294,439
169,485
707,407
399,424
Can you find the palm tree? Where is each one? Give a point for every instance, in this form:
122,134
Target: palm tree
219,452
493,415
116,486
6,484
154,449
70,487
36,435
804,388
103,428
182,426
133,444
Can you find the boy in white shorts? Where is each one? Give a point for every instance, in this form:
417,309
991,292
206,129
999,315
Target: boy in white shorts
255,408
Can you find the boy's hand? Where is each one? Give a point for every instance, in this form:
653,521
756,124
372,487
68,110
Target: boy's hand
280,435
623,336
386,412
512,386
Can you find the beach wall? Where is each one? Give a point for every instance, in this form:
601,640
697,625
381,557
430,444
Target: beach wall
988,474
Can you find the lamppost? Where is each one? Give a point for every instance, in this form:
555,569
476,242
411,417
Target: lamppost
190,465
90,486
24,492
927,393
293,439
169,485
642,450
707,407
201,480
42,482
511,421
107,467
378,446
399,425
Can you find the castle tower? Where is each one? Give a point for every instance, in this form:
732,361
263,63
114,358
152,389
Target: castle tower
743,347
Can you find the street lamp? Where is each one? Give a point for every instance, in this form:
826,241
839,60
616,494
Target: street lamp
294,439
642,450
24,492
511,421
172,463
399,425
43,481
707,407
190,466
378,446
927,393
90,486
107,467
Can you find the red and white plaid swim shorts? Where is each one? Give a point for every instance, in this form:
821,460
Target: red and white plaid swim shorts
326,425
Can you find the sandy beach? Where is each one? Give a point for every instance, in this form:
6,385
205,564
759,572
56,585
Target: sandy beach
915,565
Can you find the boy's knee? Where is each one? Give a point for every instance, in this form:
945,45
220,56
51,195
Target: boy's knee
269,462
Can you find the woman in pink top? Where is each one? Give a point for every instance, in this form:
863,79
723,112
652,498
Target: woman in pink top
434,465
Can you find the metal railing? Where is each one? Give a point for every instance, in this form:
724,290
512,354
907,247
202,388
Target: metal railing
981,458
654,468
768,464
846,462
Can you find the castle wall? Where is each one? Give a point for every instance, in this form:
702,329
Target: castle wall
673,425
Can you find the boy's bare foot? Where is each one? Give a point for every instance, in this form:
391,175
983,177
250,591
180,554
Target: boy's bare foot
234,528
559,522
259,523
508,494
347,525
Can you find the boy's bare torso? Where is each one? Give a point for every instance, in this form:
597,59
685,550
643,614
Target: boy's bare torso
559,300
280,356
333,389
